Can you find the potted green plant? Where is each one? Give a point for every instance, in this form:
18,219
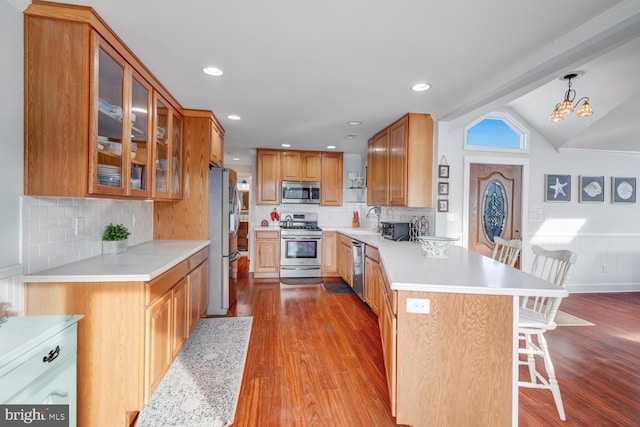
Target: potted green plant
114,239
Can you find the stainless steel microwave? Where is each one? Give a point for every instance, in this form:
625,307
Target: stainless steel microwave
300,192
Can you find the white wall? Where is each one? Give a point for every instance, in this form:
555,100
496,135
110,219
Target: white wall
605,236
11,140
11,158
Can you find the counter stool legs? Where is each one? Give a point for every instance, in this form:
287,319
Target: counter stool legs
531,350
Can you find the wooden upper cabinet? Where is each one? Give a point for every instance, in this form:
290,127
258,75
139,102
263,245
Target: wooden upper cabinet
89,109
378,169
300,166
400,163
268,182
217,144
290,165
186,219
275,166
310,166
167,152
331,183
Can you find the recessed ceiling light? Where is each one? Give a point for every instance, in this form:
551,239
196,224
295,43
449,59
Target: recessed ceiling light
236,158
420,87
233,117
286,145
351,136
213,71
331,147
354,122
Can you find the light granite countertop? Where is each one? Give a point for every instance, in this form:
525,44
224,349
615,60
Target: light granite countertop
462,271
140,263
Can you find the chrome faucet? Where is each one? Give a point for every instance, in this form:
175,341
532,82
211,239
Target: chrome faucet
376,211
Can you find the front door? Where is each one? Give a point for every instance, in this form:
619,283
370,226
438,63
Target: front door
495,205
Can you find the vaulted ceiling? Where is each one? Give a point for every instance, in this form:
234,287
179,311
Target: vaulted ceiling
297,71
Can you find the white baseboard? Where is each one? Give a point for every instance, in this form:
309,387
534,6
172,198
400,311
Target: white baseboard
602,288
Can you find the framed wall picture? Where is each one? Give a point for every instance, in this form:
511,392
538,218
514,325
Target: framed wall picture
623,190
591,189
443,188
443,171
557,188
443,205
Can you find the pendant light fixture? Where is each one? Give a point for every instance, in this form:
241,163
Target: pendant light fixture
567,105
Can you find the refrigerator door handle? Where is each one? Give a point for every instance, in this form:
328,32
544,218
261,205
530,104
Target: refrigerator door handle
235,256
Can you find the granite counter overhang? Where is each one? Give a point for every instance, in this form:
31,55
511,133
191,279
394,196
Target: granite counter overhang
463,271
140,263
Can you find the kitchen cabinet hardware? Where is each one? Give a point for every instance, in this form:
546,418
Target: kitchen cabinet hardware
53,354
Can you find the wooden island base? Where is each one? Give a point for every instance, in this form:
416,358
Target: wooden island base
455,363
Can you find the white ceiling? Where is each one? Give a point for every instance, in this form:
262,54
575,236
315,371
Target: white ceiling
296,71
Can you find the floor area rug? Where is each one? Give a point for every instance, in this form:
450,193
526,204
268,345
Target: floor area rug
566,319
337,288
202,385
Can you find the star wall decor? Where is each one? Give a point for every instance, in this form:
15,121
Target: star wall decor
557,188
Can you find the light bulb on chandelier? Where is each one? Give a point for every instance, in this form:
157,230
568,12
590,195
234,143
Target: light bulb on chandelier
568,106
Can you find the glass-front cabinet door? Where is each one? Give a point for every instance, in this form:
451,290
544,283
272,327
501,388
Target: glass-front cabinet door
176,157
122,123
109,170
140,141
161,148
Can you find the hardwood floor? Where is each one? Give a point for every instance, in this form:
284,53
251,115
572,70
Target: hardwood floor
598,367
315,359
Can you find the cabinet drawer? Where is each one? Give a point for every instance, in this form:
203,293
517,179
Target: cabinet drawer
197,258
372,253
161,284
267,234
44,359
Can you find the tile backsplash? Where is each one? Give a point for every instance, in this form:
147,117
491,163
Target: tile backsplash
57,231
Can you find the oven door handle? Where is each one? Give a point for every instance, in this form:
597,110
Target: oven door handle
300,238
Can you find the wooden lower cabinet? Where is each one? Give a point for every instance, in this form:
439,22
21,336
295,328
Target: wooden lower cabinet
381,299
129,336
373,276
267,254
345,259
158,343
388,322
199,290
329,253
180,296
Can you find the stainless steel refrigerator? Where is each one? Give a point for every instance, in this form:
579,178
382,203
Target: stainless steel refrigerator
224,219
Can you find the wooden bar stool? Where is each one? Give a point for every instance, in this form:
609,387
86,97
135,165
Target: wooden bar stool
537,315
506,251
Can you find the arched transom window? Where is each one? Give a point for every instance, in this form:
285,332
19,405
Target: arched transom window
496,132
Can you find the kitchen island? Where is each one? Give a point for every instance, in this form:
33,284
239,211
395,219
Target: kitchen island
139,308
449,331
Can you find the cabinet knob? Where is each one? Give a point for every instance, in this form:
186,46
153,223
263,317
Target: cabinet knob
53,354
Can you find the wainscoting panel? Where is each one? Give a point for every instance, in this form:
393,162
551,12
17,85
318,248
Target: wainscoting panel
606,262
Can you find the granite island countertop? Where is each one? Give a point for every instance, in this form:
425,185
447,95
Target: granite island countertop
140,263
463,271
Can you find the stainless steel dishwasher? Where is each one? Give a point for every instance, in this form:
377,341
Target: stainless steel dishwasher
357,249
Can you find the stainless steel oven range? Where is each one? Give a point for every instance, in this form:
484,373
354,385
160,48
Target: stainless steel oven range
300,245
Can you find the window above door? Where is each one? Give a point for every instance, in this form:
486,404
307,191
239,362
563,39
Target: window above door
498,132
